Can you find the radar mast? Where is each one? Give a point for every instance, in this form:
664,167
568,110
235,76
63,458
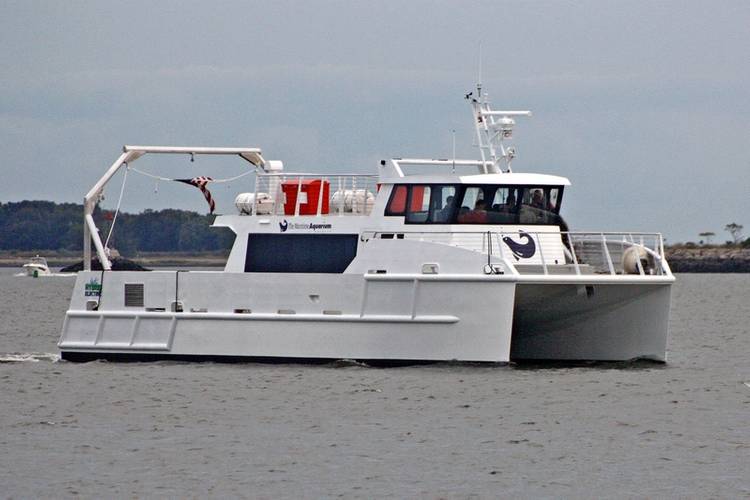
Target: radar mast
493,128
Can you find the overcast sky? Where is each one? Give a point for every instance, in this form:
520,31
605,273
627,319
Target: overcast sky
644,106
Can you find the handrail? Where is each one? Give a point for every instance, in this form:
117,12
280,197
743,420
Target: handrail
311,175
352,194
544,262
609,257
577,250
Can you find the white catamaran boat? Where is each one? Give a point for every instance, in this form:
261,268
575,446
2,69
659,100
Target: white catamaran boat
400,266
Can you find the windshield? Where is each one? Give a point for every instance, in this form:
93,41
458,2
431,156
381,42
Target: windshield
539,205
476,204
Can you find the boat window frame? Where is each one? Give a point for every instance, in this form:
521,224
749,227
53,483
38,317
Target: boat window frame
460,191
435,189
519,189
413,216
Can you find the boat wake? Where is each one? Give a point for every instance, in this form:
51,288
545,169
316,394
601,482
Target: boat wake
33,357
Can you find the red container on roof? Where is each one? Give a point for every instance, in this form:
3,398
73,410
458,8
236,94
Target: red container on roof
310,194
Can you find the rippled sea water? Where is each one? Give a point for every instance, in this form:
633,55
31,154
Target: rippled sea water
343,430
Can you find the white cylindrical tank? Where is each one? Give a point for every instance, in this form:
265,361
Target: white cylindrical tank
245,203
358,201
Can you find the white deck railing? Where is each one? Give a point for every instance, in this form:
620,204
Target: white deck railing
314,194
613,253
618,253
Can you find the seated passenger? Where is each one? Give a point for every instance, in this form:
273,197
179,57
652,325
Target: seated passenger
510,204
537,200
476,216
444,214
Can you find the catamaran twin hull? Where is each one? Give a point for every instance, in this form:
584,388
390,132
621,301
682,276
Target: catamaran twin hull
497,318
396,266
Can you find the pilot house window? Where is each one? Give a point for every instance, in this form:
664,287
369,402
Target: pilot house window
479,204
540,205
419,204
397,203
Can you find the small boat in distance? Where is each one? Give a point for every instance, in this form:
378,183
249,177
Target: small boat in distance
446,265
36,267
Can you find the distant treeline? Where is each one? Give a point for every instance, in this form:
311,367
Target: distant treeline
45,225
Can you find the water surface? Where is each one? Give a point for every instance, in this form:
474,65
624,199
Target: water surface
192,430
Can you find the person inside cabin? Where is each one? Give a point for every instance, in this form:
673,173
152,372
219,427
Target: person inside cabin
510,203
476,216
480,211
462,213
537,199
444,214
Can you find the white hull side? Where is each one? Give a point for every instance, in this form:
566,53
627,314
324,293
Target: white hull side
327,316
607,322
370,317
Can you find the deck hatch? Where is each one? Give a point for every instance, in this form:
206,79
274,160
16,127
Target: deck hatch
133,294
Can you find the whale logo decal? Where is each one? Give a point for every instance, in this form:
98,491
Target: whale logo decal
283,225
521,250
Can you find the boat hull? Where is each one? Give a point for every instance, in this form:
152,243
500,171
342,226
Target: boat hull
594,321
266,316
293,316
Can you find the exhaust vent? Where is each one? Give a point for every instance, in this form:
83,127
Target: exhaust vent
133,294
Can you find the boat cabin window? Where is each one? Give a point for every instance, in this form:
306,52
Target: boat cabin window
443,202
540,205
419,204
397,203
480,204
430,204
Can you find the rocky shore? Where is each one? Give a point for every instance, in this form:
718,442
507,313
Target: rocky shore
708,259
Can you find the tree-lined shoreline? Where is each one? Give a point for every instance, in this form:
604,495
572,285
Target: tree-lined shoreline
182,238
46,226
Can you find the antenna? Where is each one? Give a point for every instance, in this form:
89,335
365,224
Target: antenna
453,168
479,77
492,128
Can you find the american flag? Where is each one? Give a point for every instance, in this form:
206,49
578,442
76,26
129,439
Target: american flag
200,183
